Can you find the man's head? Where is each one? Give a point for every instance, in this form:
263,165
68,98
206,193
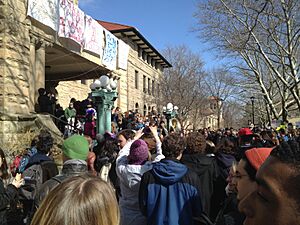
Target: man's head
195,143
75,147
44,142
173,146
276,201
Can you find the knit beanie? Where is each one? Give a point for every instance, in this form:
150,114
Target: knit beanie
257,156
245,131
76,147
138,154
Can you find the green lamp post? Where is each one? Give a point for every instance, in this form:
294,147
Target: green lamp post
104,94
170,112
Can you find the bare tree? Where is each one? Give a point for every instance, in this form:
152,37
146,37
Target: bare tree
220,84
182,83
263,36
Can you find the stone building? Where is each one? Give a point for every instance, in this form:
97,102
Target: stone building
33,56
138,86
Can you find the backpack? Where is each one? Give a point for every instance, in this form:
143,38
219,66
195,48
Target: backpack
33,177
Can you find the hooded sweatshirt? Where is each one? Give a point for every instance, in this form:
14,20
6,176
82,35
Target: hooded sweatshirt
170,194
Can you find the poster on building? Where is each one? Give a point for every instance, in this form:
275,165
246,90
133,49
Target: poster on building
123,51
71,21
93,36
109,58
46,12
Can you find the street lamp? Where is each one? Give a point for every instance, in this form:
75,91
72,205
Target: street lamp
104,94
170,112
252,102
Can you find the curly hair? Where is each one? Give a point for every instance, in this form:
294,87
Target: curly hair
173,145
288,152
45,142
195,143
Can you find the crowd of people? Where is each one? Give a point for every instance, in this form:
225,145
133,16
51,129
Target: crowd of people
143,173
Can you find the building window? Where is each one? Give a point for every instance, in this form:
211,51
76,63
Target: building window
144,56
153,86
149,86
145,110
152,62
158,90
136,79
136,107
140,52
144,84
148,59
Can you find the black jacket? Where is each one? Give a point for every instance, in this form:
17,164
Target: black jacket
6,197
207,170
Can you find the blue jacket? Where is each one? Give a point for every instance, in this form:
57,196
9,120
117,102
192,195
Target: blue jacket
170,194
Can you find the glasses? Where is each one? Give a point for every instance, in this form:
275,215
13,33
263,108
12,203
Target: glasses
239,176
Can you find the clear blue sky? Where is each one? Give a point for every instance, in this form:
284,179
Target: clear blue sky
163,23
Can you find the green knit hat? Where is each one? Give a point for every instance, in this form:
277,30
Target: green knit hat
76,147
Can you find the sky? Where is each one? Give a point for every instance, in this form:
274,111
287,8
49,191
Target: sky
162,22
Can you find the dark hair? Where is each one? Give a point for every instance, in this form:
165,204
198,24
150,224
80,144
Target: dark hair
150,141
105,153
249,168
195,143
45,142
226,146
289,153
173,145
127,134
3,168
41,91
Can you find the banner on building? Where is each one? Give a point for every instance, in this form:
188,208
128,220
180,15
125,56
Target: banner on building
109,58
123,51
46,12
93,36
71,22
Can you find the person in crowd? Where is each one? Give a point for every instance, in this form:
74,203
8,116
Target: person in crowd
124,136
45,101
75,152
170,193
162,129
70,115
196,159
275,199
79,200
131,164
225,156
229,214
246,170
90,126
8,195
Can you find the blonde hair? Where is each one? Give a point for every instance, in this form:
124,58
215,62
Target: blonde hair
79,200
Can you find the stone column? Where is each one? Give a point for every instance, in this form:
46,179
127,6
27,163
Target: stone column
39,76
31,81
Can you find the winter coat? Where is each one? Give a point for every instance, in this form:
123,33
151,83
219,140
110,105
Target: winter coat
70,168
130,177
207,171
6,197
170,194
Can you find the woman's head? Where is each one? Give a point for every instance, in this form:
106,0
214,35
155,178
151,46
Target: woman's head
124,136
45,142
3,165
79,200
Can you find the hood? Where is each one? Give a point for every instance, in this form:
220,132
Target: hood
225,160
37,158
199,163
168,172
